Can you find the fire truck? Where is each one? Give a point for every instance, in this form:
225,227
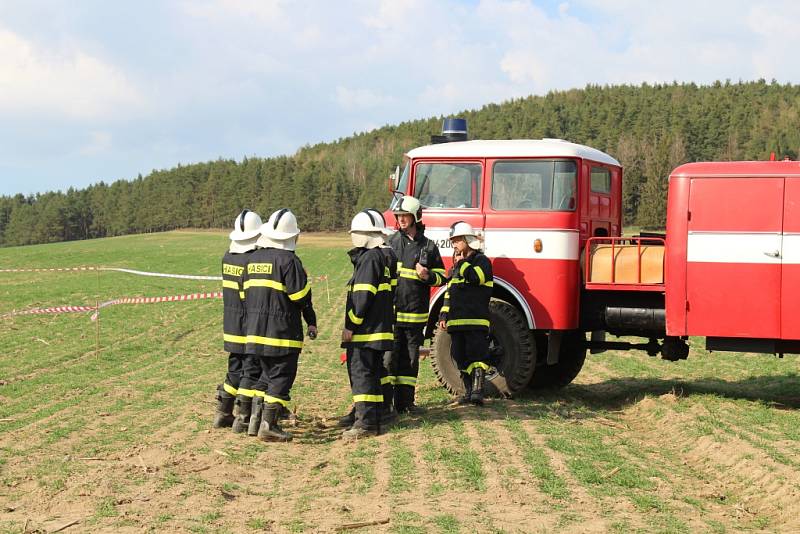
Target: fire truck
549,211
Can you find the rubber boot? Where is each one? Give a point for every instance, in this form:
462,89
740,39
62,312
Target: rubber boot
270,430
255,416
223,417
478,376
467,396
366,422
242,421
404,400
346,421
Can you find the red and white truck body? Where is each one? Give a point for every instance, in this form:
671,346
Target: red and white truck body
733,252
550,214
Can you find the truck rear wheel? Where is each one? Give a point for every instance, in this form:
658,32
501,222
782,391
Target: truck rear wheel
511,346
570,362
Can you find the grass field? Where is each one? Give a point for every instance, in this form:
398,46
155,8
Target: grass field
119,440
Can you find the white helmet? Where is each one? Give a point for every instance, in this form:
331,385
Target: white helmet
465,230
245,232
378,215
408,205
367,229
280,231
246,226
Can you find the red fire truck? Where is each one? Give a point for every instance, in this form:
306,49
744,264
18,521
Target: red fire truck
550,216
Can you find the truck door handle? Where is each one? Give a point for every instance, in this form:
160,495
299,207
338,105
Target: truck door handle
773,254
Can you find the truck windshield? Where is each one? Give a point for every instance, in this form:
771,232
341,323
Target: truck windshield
448,185
535,185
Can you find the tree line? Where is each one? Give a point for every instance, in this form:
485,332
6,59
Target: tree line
650,129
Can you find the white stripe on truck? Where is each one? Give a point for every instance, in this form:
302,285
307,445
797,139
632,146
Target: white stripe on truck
517,243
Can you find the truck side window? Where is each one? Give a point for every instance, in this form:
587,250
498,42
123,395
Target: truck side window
601,180
448,185
534,185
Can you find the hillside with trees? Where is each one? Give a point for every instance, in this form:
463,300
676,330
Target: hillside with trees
650,129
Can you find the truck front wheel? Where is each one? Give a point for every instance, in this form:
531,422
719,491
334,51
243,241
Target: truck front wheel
512,354
570,362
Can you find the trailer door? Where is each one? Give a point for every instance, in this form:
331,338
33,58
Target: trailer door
790,276
733,270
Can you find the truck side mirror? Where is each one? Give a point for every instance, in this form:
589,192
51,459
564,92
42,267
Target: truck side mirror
394,179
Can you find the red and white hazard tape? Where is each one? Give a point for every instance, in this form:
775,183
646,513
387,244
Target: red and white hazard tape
54,309
62,269
124,300
117,269
131,271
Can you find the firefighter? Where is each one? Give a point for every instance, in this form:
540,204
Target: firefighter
465,312
243,238
369,318
277,294
388,414
419,267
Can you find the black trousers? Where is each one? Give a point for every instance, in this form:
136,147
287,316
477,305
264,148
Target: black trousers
277,378
470,349
405,354
269,376
364,367
251,373
404,366
232,379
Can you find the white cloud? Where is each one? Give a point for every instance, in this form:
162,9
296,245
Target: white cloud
67,83
360,99
99,142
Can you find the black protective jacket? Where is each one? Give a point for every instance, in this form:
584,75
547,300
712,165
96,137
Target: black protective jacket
233,315
277,292
369,312
466,303
413,294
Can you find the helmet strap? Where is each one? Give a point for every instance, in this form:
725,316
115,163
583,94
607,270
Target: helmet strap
241,218
278,217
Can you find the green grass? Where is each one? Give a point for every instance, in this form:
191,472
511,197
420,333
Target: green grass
121,437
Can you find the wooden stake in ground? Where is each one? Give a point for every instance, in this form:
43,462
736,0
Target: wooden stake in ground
97,329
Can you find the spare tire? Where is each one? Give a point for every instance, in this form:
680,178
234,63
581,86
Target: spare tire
570,362
512,349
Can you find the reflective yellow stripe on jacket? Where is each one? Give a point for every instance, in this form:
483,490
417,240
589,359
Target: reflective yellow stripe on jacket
259,282
377,336
302,293
372,289
230,338
275,342
355,318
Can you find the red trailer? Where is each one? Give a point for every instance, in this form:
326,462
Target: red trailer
550,213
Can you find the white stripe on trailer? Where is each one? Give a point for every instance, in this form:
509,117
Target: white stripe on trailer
734,247
791,249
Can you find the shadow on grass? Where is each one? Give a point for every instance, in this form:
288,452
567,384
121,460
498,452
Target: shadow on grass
580,402
780,391
587,401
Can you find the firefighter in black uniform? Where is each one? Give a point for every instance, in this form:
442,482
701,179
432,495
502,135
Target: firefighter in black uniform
419,268
465,313
388,414
243,242
369,317
277,294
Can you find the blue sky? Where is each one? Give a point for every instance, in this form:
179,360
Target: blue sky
95,90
